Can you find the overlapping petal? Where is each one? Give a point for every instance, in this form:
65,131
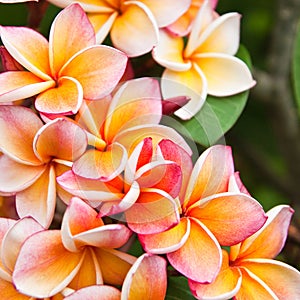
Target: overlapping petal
8,291
127,34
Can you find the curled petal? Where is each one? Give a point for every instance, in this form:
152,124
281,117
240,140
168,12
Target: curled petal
17,85
16,177
240,216
270,239
18,126
146,279
104,165
104,292
127,34
226,75
167,241
97,68
202,265
61,138
29,48
65,99
71,31
39,199
169,52
236,185
211,174
282,279
43,253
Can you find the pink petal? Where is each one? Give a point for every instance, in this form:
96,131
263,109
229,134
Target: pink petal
270,239
8,62
154,212
66,98
146,279
39,199
279,277
71,31
127,34
17,85
104,165
236,185
18,126
239,214
167,11
202,265
29,48
61,138
137,102
16,177
104,292
211,174
222,82
98,69
43,253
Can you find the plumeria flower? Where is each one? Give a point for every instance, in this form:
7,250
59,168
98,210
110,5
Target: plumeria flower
82,253
210,216
146,279
148,191
34,154
133,25
183,25
62,71
206,65
116,125
12,234
250,271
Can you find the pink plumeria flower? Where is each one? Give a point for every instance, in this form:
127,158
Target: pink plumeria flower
147,193
133,25
183,25
62,71
34,154
12,234
210,216
206,65
250,271
82,253
116,125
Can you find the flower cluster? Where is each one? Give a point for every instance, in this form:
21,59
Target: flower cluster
91,169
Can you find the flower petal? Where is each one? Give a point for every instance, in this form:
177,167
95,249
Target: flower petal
103,6
167,11
71,31
16,177
104,165
127,34
104,292
61,138
190,83
44,267
17,85
146,279
137,102
281,278
29,48
239,214
210,174
39,200
155,211
167,241
270,239
202,265
98,69
8,290
169,52
225,286
226,75
236,185
64,99
18,126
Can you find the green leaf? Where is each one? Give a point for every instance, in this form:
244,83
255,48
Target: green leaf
217,115
296,68
178,289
